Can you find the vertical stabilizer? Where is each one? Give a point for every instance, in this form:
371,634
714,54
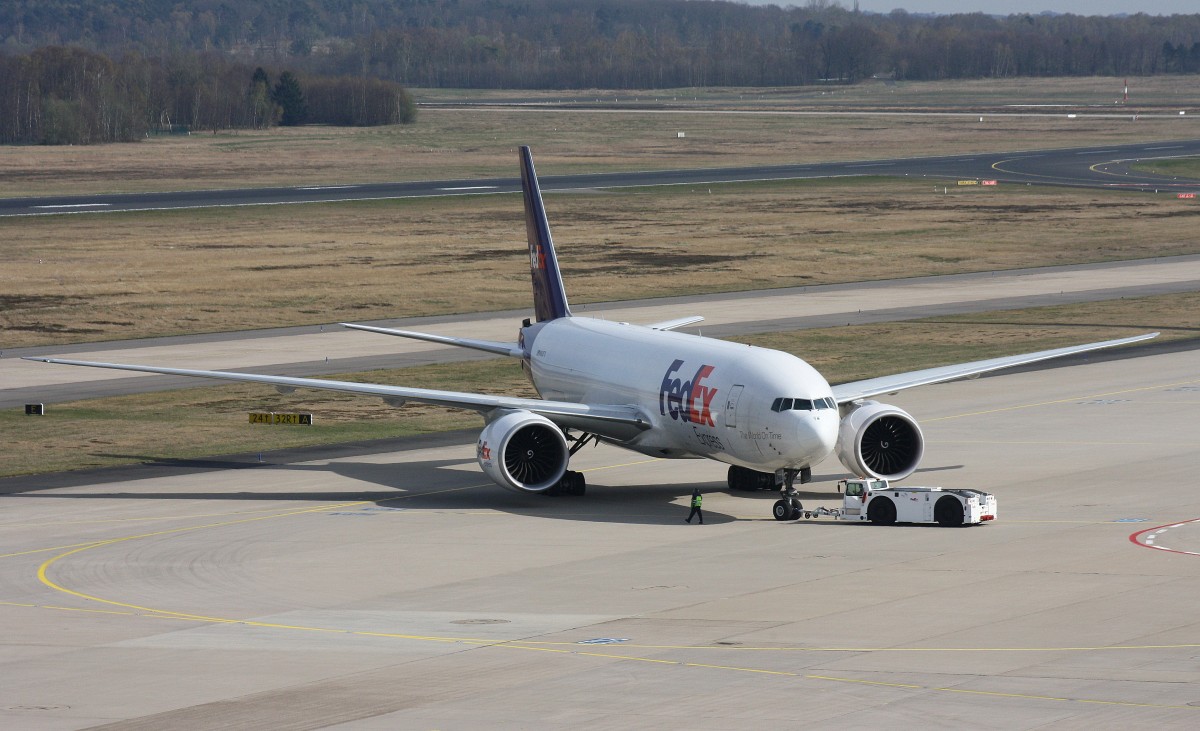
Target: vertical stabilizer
549,297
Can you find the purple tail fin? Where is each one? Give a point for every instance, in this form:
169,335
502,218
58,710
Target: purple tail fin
549,297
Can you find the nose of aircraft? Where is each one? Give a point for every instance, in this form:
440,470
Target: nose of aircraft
818,435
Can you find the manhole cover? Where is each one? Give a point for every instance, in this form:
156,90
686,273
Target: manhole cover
479,621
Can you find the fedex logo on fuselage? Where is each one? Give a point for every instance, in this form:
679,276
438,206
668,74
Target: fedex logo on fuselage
687,401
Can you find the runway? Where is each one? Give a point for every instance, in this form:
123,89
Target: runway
398,588
325,349
1088,167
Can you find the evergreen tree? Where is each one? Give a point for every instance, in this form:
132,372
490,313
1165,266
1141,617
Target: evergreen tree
290,97
263,111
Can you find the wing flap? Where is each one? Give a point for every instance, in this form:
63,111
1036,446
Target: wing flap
857,390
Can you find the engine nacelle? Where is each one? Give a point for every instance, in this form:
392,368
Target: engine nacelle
523,452
879,440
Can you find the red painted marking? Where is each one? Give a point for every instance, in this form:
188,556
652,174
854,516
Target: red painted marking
988,182
1133,538
1187,195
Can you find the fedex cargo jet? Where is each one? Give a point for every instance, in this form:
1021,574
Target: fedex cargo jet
767,414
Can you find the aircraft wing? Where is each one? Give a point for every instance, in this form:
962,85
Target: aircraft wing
617,421
858,390
490,346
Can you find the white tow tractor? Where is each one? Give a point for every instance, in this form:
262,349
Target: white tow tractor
883,504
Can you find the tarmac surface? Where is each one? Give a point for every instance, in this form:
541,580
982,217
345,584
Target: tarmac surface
393,586
1088,167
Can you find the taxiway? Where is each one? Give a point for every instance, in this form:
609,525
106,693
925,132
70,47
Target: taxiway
1088,167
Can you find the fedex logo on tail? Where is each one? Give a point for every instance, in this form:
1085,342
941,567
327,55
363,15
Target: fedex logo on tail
688,401
537,259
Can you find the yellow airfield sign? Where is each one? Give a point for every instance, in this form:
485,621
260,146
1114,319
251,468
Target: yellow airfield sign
274,418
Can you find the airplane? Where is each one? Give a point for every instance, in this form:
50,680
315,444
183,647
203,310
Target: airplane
767,414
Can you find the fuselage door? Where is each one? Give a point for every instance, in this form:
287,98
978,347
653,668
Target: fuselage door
731,403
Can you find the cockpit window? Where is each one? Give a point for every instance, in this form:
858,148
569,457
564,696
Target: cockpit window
802,404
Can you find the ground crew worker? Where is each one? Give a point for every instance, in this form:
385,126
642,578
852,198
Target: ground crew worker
697,498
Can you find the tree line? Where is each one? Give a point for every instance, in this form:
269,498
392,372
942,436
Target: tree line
68,95
609,43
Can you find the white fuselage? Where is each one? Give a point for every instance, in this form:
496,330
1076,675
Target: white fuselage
740,404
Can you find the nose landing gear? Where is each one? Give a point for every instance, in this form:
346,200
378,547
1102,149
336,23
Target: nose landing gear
789,507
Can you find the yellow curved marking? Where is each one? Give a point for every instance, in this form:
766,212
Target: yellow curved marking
52,548
136,520
557,648
1058,178
1105,172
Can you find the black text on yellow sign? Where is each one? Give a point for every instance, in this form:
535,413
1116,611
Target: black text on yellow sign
273,418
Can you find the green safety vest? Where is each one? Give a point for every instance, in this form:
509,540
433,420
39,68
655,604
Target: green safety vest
696,501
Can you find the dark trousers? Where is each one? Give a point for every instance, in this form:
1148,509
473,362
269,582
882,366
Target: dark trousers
694,513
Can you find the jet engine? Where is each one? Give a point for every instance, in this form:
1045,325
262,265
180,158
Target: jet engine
880,440
523,452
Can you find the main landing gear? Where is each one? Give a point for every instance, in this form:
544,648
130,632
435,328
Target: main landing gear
572,482
789,507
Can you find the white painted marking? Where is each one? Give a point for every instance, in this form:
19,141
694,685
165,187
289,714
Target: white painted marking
328,187
1168,147
873,165
1093,152
75,205
472,187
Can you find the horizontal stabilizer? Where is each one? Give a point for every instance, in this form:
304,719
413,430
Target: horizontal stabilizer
488,346
678,322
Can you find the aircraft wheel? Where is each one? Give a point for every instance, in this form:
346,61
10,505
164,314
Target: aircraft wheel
782,510
797,509
575,483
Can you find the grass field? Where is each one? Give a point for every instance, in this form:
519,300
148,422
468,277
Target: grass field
213,420
1183,168
120,276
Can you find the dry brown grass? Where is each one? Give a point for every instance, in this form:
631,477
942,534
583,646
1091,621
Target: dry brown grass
475,142
1097,93
117,276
